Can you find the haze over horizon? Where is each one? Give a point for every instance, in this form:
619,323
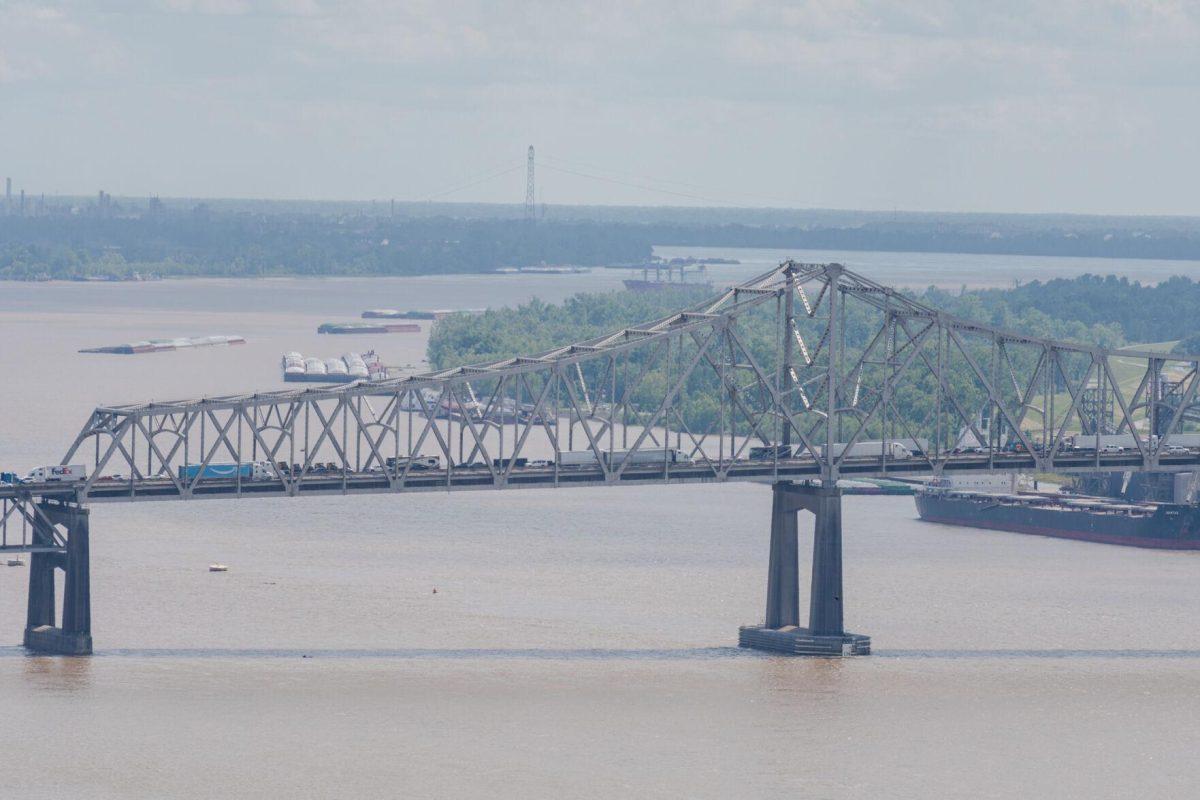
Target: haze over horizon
1078,107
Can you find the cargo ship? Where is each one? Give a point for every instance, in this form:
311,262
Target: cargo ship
369,327
1169,526
658,284
542,270
636,285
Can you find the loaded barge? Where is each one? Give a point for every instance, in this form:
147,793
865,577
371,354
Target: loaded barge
165,345
1168,526
350,367
391,313
369,327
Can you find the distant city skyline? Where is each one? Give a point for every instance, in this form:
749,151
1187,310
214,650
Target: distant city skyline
1075,107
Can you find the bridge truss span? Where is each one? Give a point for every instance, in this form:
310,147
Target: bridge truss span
804,371
802,375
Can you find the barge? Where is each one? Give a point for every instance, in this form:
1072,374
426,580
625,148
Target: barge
165,345
349,367
391,313
369,327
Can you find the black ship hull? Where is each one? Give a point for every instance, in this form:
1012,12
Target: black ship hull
635,285
1168,526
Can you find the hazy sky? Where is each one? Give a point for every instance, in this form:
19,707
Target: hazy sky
1056,105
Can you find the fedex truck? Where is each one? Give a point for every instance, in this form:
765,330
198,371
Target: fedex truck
62,473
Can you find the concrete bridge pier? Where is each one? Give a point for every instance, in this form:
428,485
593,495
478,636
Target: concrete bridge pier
781,631
74,636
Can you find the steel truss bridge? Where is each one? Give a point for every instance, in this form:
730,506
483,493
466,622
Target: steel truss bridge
797,377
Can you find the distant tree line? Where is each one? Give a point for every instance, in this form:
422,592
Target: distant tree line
202,242
1182,243
224,242
1144,312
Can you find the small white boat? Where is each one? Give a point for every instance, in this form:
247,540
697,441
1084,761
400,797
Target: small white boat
218,568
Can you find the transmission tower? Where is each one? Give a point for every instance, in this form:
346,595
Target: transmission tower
529,187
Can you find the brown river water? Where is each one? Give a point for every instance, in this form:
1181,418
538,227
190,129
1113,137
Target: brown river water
581,643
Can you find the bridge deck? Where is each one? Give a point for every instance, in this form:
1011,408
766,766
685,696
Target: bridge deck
479,477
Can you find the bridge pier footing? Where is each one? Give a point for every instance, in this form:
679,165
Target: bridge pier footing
781,631
74,636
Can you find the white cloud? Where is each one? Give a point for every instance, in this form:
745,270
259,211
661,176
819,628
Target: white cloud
45,43
626,79
217,7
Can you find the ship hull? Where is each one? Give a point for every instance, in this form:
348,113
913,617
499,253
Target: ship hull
635,285
1168,528
366,327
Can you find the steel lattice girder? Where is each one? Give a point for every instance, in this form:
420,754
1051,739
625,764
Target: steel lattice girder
25,526
839,367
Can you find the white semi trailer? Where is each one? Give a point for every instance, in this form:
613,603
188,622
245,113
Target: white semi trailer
643,456
868,449
1108,441
57,474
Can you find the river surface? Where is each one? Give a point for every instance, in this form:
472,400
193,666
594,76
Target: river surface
581,643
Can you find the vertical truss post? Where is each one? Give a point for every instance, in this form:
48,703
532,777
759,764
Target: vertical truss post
829,463
789,335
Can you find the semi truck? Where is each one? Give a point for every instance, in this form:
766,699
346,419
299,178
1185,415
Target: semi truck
770,451
916,447
657,455
1183,440
61,473
578,458
502,463
418,463
647,457
1110,441
255,471
893,450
